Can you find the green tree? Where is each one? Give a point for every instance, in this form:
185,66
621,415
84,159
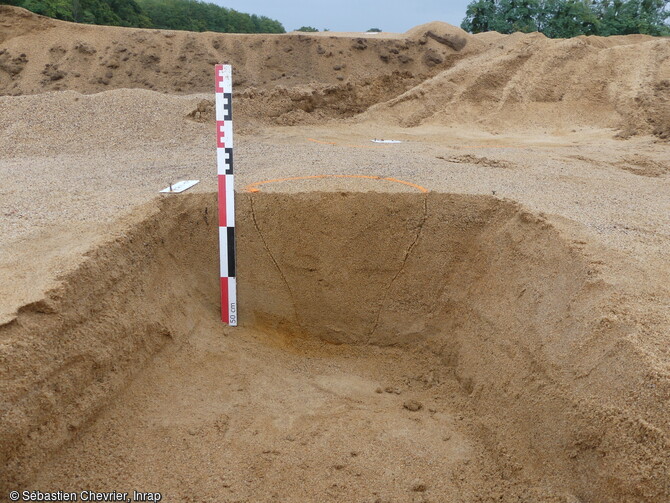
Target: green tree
374,30
480,16
568,18
59,9
619,17
169,14
194,15
520,15
307,28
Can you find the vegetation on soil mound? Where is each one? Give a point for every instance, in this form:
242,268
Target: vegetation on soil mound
568,18
191,15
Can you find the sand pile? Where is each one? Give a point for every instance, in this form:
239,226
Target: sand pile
39,54
495,293
288,79
529,81
133,118
433,73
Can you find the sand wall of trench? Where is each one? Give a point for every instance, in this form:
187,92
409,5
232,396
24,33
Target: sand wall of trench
501,295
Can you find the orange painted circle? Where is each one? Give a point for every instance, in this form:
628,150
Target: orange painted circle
253,187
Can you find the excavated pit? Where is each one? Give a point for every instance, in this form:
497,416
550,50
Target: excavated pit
491,290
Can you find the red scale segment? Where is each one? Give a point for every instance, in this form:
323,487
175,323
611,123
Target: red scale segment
220,134
218,79
225,314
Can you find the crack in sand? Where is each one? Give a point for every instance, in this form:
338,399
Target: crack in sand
408,251
274,261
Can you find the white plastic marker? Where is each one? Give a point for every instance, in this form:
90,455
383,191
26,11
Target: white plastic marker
176,188
385,141
223,87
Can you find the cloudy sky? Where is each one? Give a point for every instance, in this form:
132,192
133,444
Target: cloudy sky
353,15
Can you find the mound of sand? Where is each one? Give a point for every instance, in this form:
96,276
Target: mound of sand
495,293
433,73
529,81
39,54
443,33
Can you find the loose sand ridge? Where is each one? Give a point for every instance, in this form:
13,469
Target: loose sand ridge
287,77
434,72
524,81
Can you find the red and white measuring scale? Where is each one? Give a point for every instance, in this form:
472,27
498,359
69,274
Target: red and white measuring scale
223,87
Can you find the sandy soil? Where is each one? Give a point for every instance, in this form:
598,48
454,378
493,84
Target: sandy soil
503,337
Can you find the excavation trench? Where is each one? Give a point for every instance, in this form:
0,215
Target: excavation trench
492,291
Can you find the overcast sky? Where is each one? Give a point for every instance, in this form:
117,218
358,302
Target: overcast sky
353,15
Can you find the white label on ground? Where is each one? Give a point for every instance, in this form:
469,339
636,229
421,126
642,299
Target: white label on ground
175,188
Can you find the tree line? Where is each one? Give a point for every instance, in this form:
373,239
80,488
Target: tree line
192,15
569,18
